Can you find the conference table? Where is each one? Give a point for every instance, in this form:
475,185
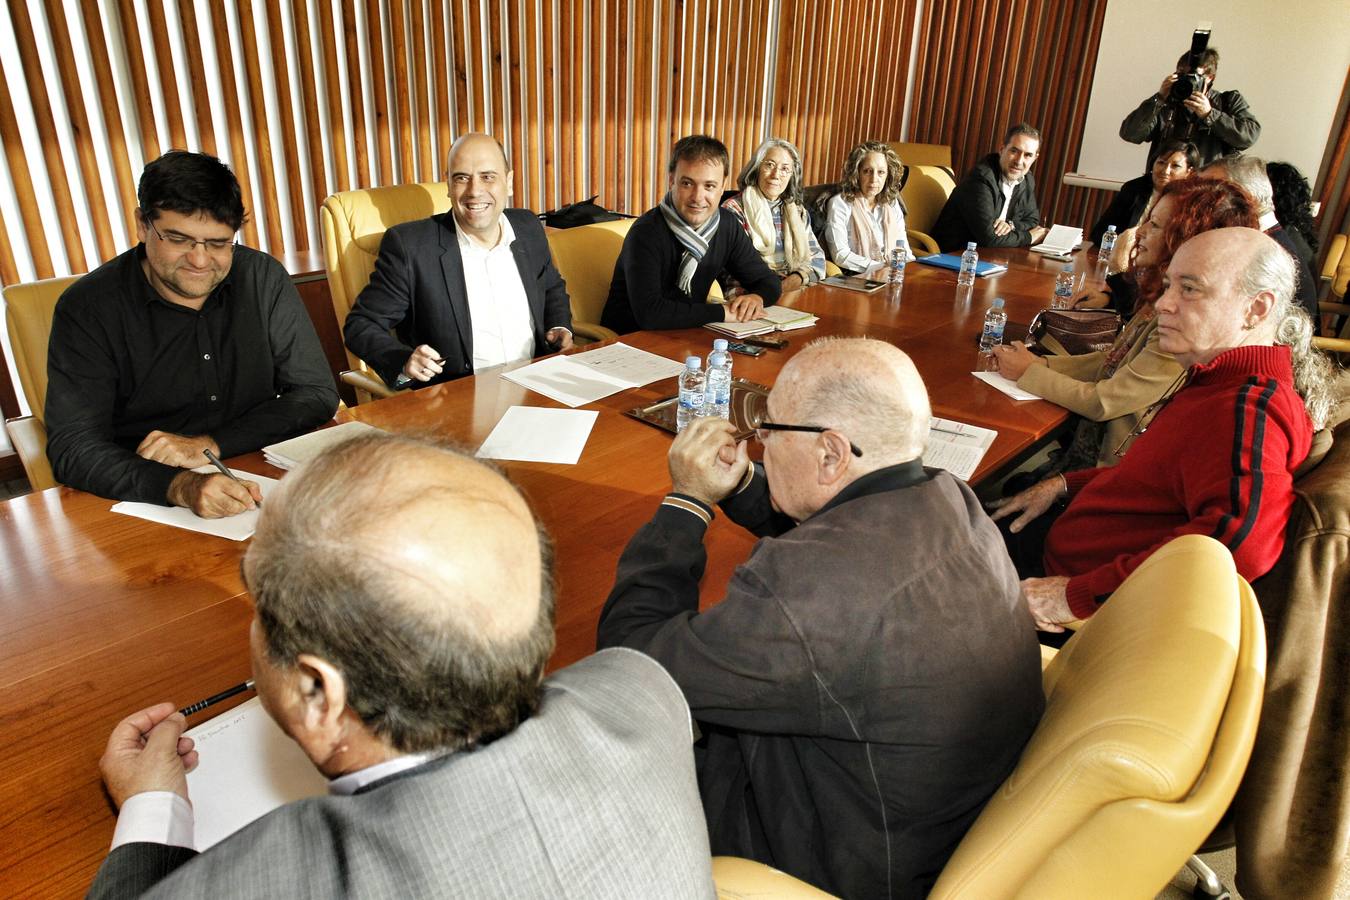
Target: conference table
106,614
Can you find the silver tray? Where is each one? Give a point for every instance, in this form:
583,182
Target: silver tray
749,401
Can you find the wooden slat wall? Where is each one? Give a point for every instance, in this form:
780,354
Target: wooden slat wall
986,64
308,97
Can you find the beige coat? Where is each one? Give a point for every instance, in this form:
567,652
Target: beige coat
1076,383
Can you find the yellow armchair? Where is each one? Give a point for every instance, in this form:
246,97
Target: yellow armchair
28,318
924,193
353,224
585,257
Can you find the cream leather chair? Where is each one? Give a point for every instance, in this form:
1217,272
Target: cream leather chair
353,224
585,257
1151,712
914,154
924,193
28,318
1336,273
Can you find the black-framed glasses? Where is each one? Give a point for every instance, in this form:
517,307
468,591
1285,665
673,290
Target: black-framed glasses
1152,413
214,246
812,429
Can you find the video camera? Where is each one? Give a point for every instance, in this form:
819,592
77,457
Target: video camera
1193,80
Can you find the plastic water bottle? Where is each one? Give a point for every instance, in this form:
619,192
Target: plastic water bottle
994,322
1108,243
717,391
1063,298
691,393
898,260
966,277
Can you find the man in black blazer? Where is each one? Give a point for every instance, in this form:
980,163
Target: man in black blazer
449,290
995,204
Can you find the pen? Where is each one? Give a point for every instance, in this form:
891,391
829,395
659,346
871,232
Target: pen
224,469
945,430
211,701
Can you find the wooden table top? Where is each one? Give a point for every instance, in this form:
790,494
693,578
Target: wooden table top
105,614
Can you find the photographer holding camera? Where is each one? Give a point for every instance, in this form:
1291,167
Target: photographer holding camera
1187,108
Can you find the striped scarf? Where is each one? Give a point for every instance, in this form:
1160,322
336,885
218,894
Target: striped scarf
694,240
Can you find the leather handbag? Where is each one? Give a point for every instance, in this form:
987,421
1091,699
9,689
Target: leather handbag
1069,332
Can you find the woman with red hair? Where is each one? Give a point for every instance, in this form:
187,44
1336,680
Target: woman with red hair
1112,389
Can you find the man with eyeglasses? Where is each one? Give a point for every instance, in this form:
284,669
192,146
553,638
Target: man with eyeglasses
184,344
871,675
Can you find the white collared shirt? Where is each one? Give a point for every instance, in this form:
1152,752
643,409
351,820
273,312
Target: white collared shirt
1008,188
499,311
1268,221
163,817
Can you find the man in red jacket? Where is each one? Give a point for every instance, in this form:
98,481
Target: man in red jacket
1219,455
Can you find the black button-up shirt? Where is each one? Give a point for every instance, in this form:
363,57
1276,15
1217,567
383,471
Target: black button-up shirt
246,369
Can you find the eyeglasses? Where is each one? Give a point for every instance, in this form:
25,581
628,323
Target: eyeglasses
768,167
214,246
812,429
1152,413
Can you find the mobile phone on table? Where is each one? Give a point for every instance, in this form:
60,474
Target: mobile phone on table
744,349
771,343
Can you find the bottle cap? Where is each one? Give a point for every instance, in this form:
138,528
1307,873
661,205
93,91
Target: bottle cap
693,362
1110,229
998,303
970,245
720,344
1068,267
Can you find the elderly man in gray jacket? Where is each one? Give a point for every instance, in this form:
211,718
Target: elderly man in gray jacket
872,674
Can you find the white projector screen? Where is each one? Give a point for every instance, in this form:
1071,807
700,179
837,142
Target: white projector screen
1289,61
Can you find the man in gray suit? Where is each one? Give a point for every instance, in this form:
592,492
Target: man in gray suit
412,676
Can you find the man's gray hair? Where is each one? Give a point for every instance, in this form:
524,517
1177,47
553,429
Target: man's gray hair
419,674
889,425
1272,269
1249,173
750,174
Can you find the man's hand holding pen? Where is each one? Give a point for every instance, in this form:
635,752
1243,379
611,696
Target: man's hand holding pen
212,495
147,752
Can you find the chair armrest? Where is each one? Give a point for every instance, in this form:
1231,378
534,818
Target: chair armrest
29,437
1332,260
737,879
831,269
922,241
364,381
1332,345
593,332
1331,306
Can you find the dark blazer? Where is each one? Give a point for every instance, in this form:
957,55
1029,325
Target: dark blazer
973,207
1126,208
593,796
1305,292
417,290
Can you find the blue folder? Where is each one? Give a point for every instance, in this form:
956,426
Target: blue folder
952,261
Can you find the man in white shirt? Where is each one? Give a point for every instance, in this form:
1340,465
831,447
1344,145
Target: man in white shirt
995,204
413,679
465,290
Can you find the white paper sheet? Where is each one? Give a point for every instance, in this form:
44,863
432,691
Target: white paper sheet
234,528
247,768
537,434
289,454
956,446
586,377
999,383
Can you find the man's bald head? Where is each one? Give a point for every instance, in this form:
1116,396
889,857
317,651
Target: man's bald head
867,389
420,574
475,142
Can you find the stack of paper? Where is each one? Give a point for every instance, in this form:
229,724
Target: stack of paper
1061,241
586,377
289,454
238,527
956,446
774,318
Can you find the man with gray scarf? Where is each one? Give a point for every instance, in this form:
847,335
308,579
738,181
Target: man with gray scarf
673,253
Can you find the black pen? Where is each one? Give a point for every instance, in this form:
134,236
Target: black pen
225,470
211,701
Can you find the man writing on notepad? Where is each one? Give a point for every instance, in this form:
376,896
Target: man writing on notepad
186,343
465,290
404,618
871,674
673,253
995,205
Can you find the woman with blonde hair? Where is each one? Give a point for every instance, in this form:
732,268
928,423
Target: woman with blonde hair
770,210
866,220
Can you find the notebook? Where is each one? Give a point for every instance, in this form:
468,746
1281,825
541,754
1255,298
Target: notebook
952,261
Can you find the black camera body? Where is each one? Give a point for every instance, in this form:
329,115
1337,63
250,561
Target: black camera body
1193,81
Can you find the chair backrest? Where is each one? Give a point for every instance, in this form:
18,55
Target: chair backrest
924,193
585,257
1336,267
354,223
1151,710
912,154
28,318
